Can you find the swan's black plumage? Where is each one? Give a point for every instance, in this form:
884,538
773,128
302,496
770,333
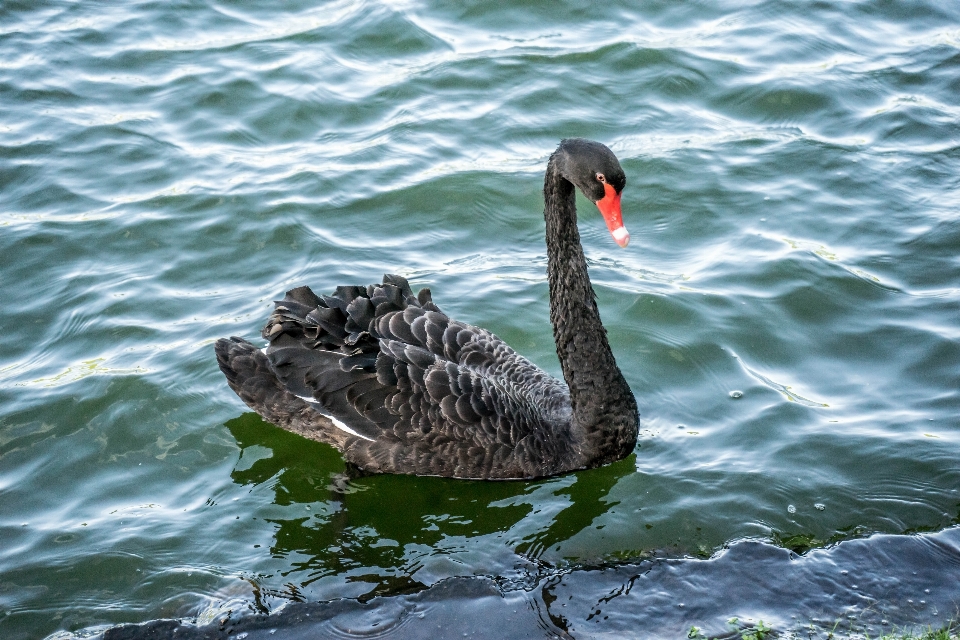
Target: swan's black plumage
399,387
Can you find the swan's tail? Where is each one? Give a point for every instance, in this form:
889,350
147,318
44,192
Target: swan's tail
252,378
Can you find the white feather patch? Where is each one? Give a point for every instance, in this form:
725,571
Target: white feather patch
339,424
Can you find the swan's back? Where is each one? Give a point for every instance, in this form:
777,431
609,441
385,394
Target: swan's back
399,387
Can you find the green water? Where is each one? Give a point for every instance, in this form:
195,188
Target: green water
169,169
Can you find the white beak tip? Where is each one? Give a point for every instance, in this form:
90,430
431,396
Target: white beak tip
621,235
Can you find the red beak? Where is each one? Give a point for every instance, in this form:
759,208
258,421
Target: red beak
609,207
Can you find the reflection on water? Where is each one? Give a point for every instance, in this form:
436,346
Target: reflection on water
392,537
387,531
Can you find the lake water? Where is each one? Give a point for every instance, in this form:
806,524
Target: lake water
786,312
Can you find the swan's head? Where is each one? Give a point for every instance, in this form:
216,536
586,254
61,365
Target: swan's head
594,170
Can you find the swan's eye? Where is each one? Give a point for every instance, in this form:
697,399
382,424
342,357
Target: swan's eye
601,177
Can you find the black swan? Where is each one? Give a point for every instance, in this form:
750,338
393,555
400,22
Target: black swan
399,387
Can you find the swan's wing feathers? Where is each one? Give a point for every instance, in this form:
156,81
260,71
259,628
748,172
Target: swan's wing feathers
326,348
343,321
401,283
439,417
250,374
304,296
466,345
425,298
399,326
446,394
412,389
474,349
365,361
347,396
331,320
312,373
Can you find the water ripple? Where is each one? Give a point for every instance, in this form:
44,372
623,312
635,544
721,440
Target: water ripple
167,171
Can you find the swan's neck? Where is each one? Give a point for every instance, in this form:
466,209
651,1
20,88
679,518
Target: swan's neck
604,408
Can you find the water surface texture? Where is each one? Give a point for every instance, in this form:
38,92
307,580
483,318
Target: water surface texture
786,312
853,589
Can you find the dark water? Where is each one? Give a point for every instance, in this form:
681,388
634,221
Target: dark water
854,589
168,169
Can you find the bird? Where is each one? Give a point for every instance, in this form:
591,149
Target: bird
399,387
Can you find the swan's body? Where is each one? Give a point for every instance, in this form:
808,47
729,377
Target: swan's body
397,386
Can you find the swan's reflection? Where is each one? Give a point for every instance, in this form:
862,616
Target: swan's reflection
403,533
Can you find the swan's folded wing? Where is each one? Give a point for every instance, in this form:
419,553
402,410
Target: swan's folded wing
355,318
349,397
418,391
468,347
346,320
446,419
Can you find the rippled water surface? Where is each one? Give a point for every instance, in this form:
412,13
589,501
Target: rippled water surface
167,169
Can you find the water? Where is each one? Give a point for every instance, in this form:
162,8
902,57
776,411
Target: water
169,169
853,589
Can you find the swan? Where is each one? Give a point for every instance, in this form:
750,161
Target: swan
400,387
